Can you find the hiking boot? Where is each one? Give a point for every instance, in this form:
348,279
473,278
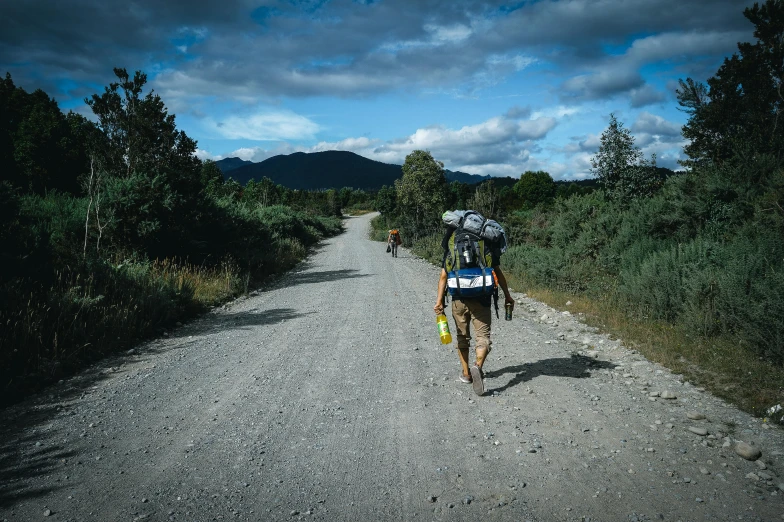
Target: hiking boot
477,376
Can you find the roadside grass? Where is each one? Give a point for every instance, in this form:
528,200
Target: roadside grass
210,285
87,312
719,364
357,211
53,324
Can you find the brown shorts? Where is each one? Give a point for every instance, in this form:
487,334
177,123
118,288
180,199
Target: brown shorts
467,312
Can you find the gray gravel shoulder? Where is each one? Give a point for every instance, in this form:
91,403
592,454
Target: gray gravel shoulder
327,396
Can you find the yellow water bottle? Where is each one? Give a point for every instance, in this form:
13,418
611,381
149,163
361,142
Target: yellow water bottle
443,329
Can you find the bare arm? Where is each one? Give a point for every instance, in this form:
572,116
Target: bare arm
502,283
439,307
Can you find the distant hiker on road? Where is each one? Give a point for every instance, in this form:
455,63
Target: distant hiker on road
393,241
472,275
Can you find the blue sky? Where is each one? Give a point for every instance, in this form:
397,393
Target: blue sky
488,87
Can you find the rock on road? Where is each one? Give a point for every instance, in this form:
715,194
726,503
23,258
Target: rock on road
327,396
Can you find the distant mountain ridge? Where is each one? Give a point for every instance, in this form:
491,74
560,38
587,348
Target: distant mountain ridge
227,164
323,170
338,169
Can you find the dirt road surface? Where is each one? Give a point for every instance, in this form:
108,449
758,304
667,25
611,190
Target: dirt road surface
329,397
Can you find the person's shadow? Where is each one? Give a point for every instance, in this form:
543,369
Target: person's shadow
576,366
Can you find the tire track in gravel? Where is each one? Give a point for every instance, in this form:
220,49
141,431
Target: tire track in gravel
327,396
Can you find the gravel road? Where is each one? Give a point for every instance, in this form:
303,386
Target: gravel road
328,396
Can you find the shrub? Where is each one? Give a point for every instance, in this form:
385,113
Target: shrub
429,247
750,302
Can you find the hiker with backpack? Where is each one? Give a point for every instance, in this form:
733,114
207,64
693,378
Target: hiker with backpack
393,241
471,274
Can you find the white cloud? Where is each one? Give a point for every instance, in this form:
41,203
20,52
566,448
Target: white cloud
613,75
246,154
602,83
646,95
558,111
257,154
516,61
205,155
350,144
448,34
435,36
669,45
656,125
589,143
264,126
491,132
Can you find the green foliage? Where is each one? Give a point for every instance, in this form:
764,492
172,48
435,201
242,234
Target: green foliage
139,135
535,188
379,228
620,167
41,149
518,227
211,178
146,187
421,192
485,199
742,105
386,200
458,195
566,190
732,287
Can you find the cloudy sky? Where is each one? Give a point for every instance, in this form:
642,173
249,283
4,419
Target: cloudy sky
491,87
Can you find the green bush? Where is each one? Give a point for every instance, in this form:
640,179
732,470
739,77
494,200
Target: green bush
750,302
683,256
735,287
429,247
518,227
659,285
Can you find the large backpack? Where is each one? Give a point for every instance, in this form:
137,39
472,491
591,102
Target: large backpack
396,236
469,270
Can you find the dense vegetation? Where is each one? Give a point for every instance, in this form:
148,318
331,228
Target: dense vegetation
114,230
701,251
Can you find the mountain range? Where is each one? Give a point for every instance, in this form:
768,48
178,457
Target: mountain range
323,170
338,169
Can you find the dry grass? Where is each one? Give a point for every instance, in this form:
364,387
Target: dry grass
357,212
50,331
721,365
210,286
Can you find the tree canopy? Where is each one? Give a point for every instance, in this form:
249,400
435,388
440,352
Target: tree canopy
535,188
421,192
742,103
41,149
137,133
620,166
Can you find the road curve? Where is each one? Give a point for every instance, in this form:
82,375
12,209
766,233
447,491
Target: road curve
328,396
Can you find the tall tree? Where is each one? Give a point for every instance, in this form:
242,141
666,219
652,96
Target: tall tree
421,192
139,135
458,194
620,165
145,173
535,188
386,200
485,199
211,177
743,102
40,147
